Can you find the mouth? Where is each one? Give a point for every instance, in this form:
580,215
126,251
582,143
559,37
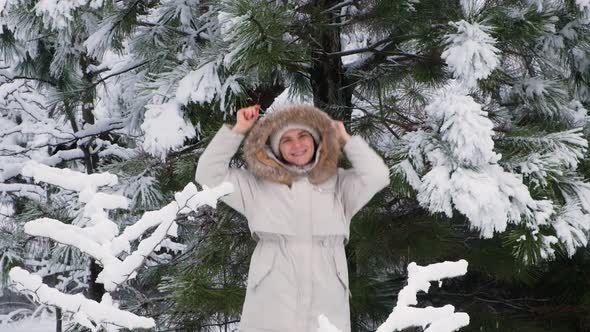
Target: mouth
299,154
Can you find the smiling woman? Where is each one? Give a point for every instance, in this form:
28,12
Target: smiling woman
297,147
299,205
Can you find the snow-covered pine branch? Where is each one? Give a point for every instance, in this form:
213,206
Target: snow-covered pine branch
100,237
88,313
452,166
470,53
30,191
405,314
164,125
26,132
543,97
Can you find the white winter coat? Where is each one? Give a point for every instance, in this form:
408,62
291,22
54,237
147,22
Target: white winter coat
301,223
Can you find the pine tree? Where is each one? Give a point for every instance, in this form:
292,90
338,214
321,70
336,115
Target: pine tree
480,109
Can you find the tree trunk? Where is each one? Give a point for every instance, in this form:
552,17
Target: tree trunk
95,290
58,319
328,81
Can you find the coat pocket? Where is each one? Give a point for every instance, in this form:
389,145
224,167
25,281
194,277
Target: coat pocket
261,265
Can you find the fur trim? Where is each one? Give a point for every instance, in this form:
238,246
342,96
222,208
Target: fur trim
262,165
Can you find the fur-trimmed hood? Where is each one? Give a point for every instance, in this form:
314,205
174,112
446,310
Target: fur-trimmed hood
257,150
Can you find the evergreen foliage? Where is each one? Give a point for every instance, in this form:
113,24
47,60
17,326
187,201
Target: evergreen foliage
379,66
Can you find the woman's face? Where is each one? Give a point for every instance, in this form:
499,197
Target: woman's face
296,147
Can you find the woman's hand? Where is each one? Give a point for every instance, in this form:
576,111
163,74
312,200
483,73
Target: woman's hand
246,119
343,136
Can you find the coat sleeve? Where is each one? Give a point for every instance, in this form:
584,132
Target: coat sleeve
213,169
368,175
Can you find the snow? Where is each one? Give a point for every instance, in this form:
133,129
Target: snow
30,191
464,126
165,128
584,6
412,178
544,96
577,114
465,175
471,8
470,53
199,86
558,151
67,178
435,191
103,313
98,42
57,13
355,39
538,87
571,227
491,198
439,319
70,235
40,324
287,97
101,239
99,126
405,315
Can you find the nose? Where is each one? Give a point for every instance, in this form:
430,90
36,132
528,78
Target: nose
298,143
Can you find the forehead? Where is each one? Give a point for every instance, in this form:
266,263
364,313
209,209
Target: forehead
293,133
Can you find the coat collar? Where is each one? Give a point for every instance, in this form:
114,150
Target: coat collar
256,148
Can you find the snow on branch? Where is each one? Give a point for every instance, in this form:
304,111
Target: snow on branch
165,128
471,53
49,127
67,178
464,173
23,190
100,238
164,125
189,199
405,314
99,127
88,313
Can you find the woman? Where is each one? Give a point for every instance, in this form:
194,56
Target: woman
298,204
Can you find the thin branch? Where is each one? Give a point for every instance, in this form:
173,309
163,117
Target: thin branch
22,77
120,72
337,6
180,32
369,48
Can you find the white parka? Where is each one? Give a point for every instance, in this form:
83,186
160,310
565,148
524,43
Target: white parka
301,223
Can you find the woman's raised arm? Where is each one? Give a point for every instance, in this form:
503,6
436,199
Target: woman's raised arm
213,165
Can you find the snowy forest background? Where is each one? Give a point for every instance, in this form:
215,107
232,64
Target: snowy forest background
480,108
